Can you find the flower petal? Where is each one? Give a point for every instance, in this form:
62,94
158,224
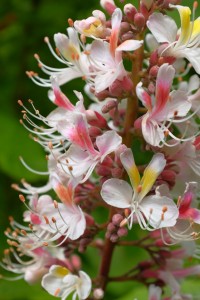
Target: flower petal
151,173
128,162
129,45
108,142
117,193
159,25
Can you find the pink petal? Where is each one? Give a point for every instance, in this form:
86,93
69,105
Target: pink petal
108,142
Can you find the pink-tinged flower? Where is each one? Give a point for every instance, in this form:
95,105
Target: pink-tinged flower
163,109
51,221
187,226
154,292
83,158
106,58
94,26
152,212
35,265
59,282
187,43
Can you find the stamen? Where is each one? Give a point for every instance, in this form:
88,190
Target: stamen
57,292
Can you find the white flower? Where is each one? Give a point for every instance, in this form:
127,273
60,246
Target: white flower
187,44
152,212
61,283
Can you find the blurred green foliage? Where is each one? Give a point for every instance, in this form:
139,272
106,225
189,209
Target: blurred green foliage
23,26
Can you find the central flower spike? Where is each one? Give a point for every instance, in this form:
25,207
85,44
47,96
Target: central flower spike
152,212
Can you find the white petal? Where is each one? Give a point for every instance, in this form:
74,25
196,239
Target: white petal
153,206
193,55
117,193
178,105
129,45
85,287
162,27
108,142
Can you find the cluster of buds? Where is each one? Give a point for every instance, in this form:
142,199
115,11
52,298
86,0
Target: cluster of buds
132,154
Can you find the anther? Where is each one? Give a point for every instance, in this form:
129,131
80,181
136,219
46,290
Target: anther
195,4
70,22
30,226
50,145
46,219
20,102
127,212
15,186
46,39
6,251
45,244
23,232
22,198
164,209
36,56
55,204
53,220
139,188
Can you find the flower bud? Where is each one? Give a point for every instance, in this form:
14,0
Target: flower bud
114,237
139,20
108,106
154,71
116,172
108,5
147,3
116,219
130,11
123,231
98,294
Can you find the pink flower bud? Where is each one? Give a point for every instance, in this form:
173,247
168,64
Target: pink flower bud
114,237
94,131
116,172
154,71
130,11
108,106
123,231
76,262
139,20
108,5
127,84
116,219
168,175
111,227
103,170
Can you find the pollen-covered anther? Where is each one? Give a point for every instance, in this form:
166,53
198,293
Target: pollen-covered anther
195,4
179,201
23,232
194,235
57,291
15,186
6,251
45,244
20,102
139,188
166,133
14,234
30,226
36,56
70,22
164,209
175,113
50,145
70,168
55,204
86,52
46,219
83,38
127,212
11,219
46,39
53,220
22,198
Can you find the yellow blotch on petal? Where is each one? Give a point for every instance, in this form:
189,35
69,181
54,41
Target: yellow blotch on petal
61,272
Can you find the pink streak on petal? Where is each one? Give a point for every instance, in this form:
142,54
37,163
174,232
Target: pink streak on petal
35,219
61,100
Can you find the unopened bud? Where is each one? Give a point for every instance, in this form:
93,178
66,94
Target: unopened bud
154,71
116,219
116,172
114,237
123,231
139,20
130,11
108,5
98,294
108,106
